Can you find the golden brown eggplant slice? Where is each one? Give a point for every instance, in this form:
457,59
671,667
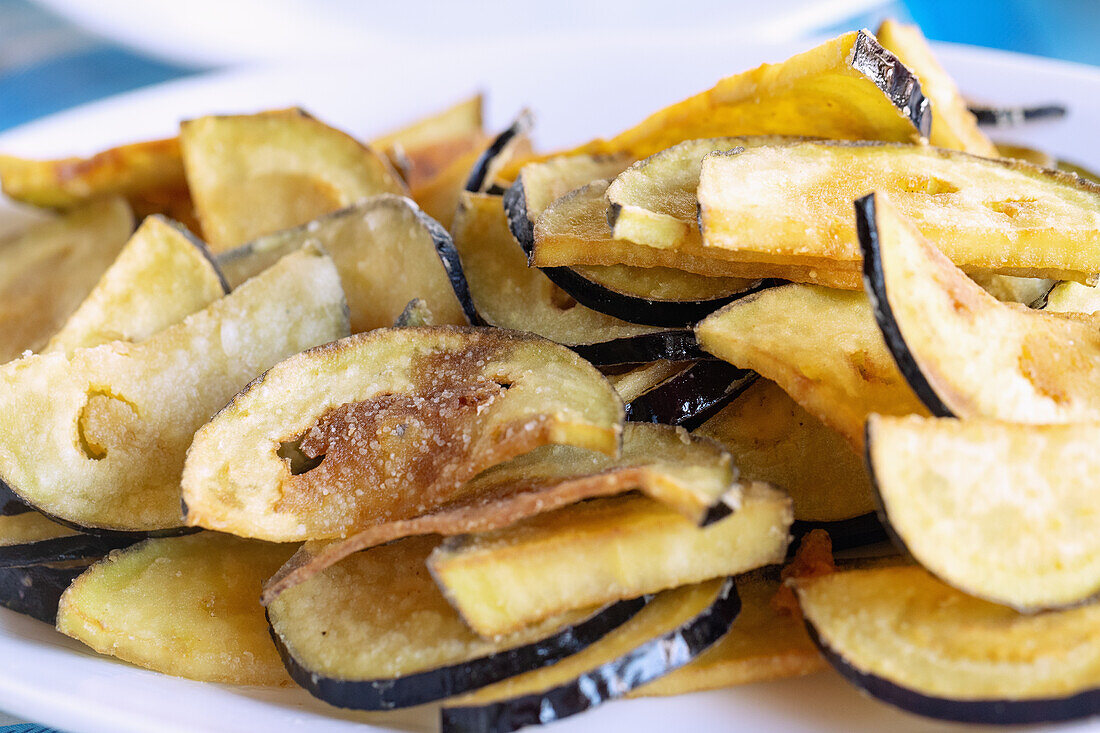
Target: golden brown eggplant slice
252,175
387,252
600,551
29,539
1071,297
914,642
98,439
512,143
27,527
821,346
964,352
185,606
988,215
47,271
424,148
636,381
999,510
388,425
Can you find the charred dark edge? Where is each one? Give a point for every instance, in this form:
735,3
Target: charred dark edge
1015,116
35,590
859,531
874,282
448,256
996,712
443,682
61,549
674,345
607,682
476,181
895,80
201,246
693,396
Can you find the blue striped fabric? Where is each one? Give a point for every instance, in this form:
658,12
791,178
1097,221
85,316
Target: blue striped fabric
26,728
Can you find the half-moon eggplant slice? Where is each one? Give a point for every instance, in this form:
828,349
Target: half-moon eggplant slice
1002,216
692,396
1016,116
691,475
98,439
600,551
511,144
388,425
763,644
251,175
184,606
965,353
671,631
387,252
375,633
51,267
999,510
773,439
30,538
914,642
821,346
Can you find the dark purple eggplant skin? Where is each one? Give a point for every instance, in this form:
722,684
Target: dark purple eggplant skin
693,396
874,283
10,503
476,182
894,79
60,549
437,684
35,590
674,345
865,529
1016,116
607,682
452,263
989,712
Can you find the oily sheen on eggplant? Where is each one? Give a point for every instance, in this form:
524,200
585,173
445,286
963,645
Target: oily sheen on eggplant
674,628
922,646
963,352
692,396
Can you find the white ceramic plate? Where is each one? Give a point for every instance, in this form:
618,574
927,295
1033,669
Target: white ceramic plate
577,91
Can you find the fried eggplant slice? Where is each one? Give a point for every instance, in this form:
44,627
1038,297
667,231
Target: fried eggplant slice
691,475
98,439
999,510
35,590
773,439
512,143
48,270
673,629
424,148
965,353
388,425
160,277
252,175
440,196
914,642
387,251
29,538
763,644
632,382
691,397
821,346
1000,216
375,633
1030,291
1071,297
953,125
185,606
600,551
848,88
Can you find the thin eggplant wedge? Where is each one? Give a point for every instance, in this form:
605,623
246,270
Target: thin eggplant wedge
375,633
422,149
98,439
691,397
860,91
388,425
35,590
773,439
50,268
1002,216
1016,116
160,277
387,252
965,353
672,344
763,644
672,630
999,510
31,539
184,606
914,642
1071,297
953,125
821,346
691,475
439,196
513,143
632,382
252,175
600,551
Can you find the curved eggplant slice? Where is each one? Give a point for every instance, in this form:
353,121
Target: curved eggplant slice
1016,116
112,424
409,254
512,143
950,489
252,175
671,631
691,397
821,346
632,382
375,633
36,590
963,352
673,345
32,539
424,148
600,551
690,475
400,420
924,647
185,606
